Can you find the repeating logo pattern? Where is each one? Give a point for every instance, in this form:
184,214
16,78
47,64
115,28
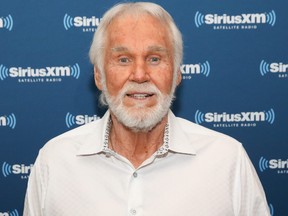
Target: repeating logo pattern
16,169
199,117
45,72
199,19
271,208
202,20
268,116
3,72
201,68
88,24
242,19
263,164
264,68
278,165
274,67
67,21
205,68
75,71
271,18
6,22
72,120
6,169
8,121
10,213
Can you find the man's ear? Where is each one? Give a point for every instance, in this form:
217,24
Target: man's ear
97,78
179,77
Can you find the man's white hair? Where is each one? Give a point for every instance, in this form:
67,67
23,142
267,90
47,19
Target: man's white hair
97,49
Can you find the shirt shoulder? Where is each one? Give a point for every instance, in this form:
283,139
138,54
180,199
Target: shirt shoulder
191,127
201,137
70,142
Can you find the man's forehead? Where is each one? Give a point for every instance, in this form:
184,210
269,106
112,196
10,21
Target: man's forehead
134,20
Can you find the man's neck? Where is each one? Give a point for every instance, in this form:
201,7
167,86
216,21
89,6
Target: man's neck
136,146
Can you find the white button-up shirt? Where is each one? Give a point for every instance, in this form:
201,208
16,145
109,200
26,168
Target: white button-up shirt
203,173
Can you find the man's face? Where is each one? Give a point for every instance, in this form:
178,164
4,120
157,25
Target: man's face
138,67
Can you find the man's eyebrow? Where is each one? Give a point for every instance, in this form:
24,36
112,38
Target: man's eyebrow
119,49
157,49
150,49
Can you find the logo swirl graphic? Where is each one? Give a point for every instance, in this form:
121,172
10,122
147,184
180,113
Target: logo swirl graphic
67,21
205,68
7,22
6,169
199,19
75,71
3,72
263,164
70,120
270,116
271,18
199,117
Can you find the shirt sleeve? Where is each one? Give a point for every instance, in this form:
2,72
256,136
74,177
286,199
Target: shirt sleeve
251,196
36,189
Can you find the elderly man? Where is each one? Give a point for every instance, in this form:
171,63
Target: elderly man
140,159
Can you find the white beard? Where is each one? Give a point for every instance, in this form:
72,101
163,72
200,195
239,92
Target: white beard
139,118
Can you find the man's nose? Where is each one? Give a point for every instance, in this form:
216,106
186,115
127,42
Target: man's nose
139,72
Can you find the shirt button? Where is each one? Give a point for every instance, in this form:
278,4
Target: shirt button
133,211
135,174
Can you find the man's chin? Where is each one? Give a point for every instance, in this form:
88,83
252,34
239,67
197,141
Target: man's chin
139,105
143,125
139,119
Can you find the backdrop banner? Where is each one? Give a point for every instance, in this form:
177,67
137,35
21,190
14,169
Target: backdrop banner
235,81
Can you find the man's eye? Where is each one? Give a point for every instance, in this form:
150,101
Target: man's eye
124,60
154,60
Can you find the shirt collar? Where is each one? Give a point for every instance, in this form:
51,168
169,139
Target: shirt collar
94,142
175,140
179,141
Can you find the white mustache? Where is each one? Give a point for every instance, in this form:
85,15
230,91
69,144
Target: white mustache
148,88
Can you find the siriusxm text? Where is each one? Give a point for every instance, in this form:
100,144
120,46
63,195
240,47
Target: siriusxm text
84,21
40,72
238,117
84,119
236,19
190,68
21,169
278,164
278,67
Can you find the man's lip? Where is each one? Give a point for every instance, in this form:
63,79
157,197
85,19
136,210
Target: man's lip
139,95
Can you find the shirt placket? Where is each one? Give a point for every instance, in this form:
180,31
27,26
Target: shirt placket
135,186
135,194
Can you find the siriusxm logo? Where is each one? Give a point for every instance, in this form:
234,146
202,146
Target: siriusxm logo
271,208
38,74
8,121
274,67
79,119
273,164
88,24
246,119
16,169
191,69
10,213
6,22
236,20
